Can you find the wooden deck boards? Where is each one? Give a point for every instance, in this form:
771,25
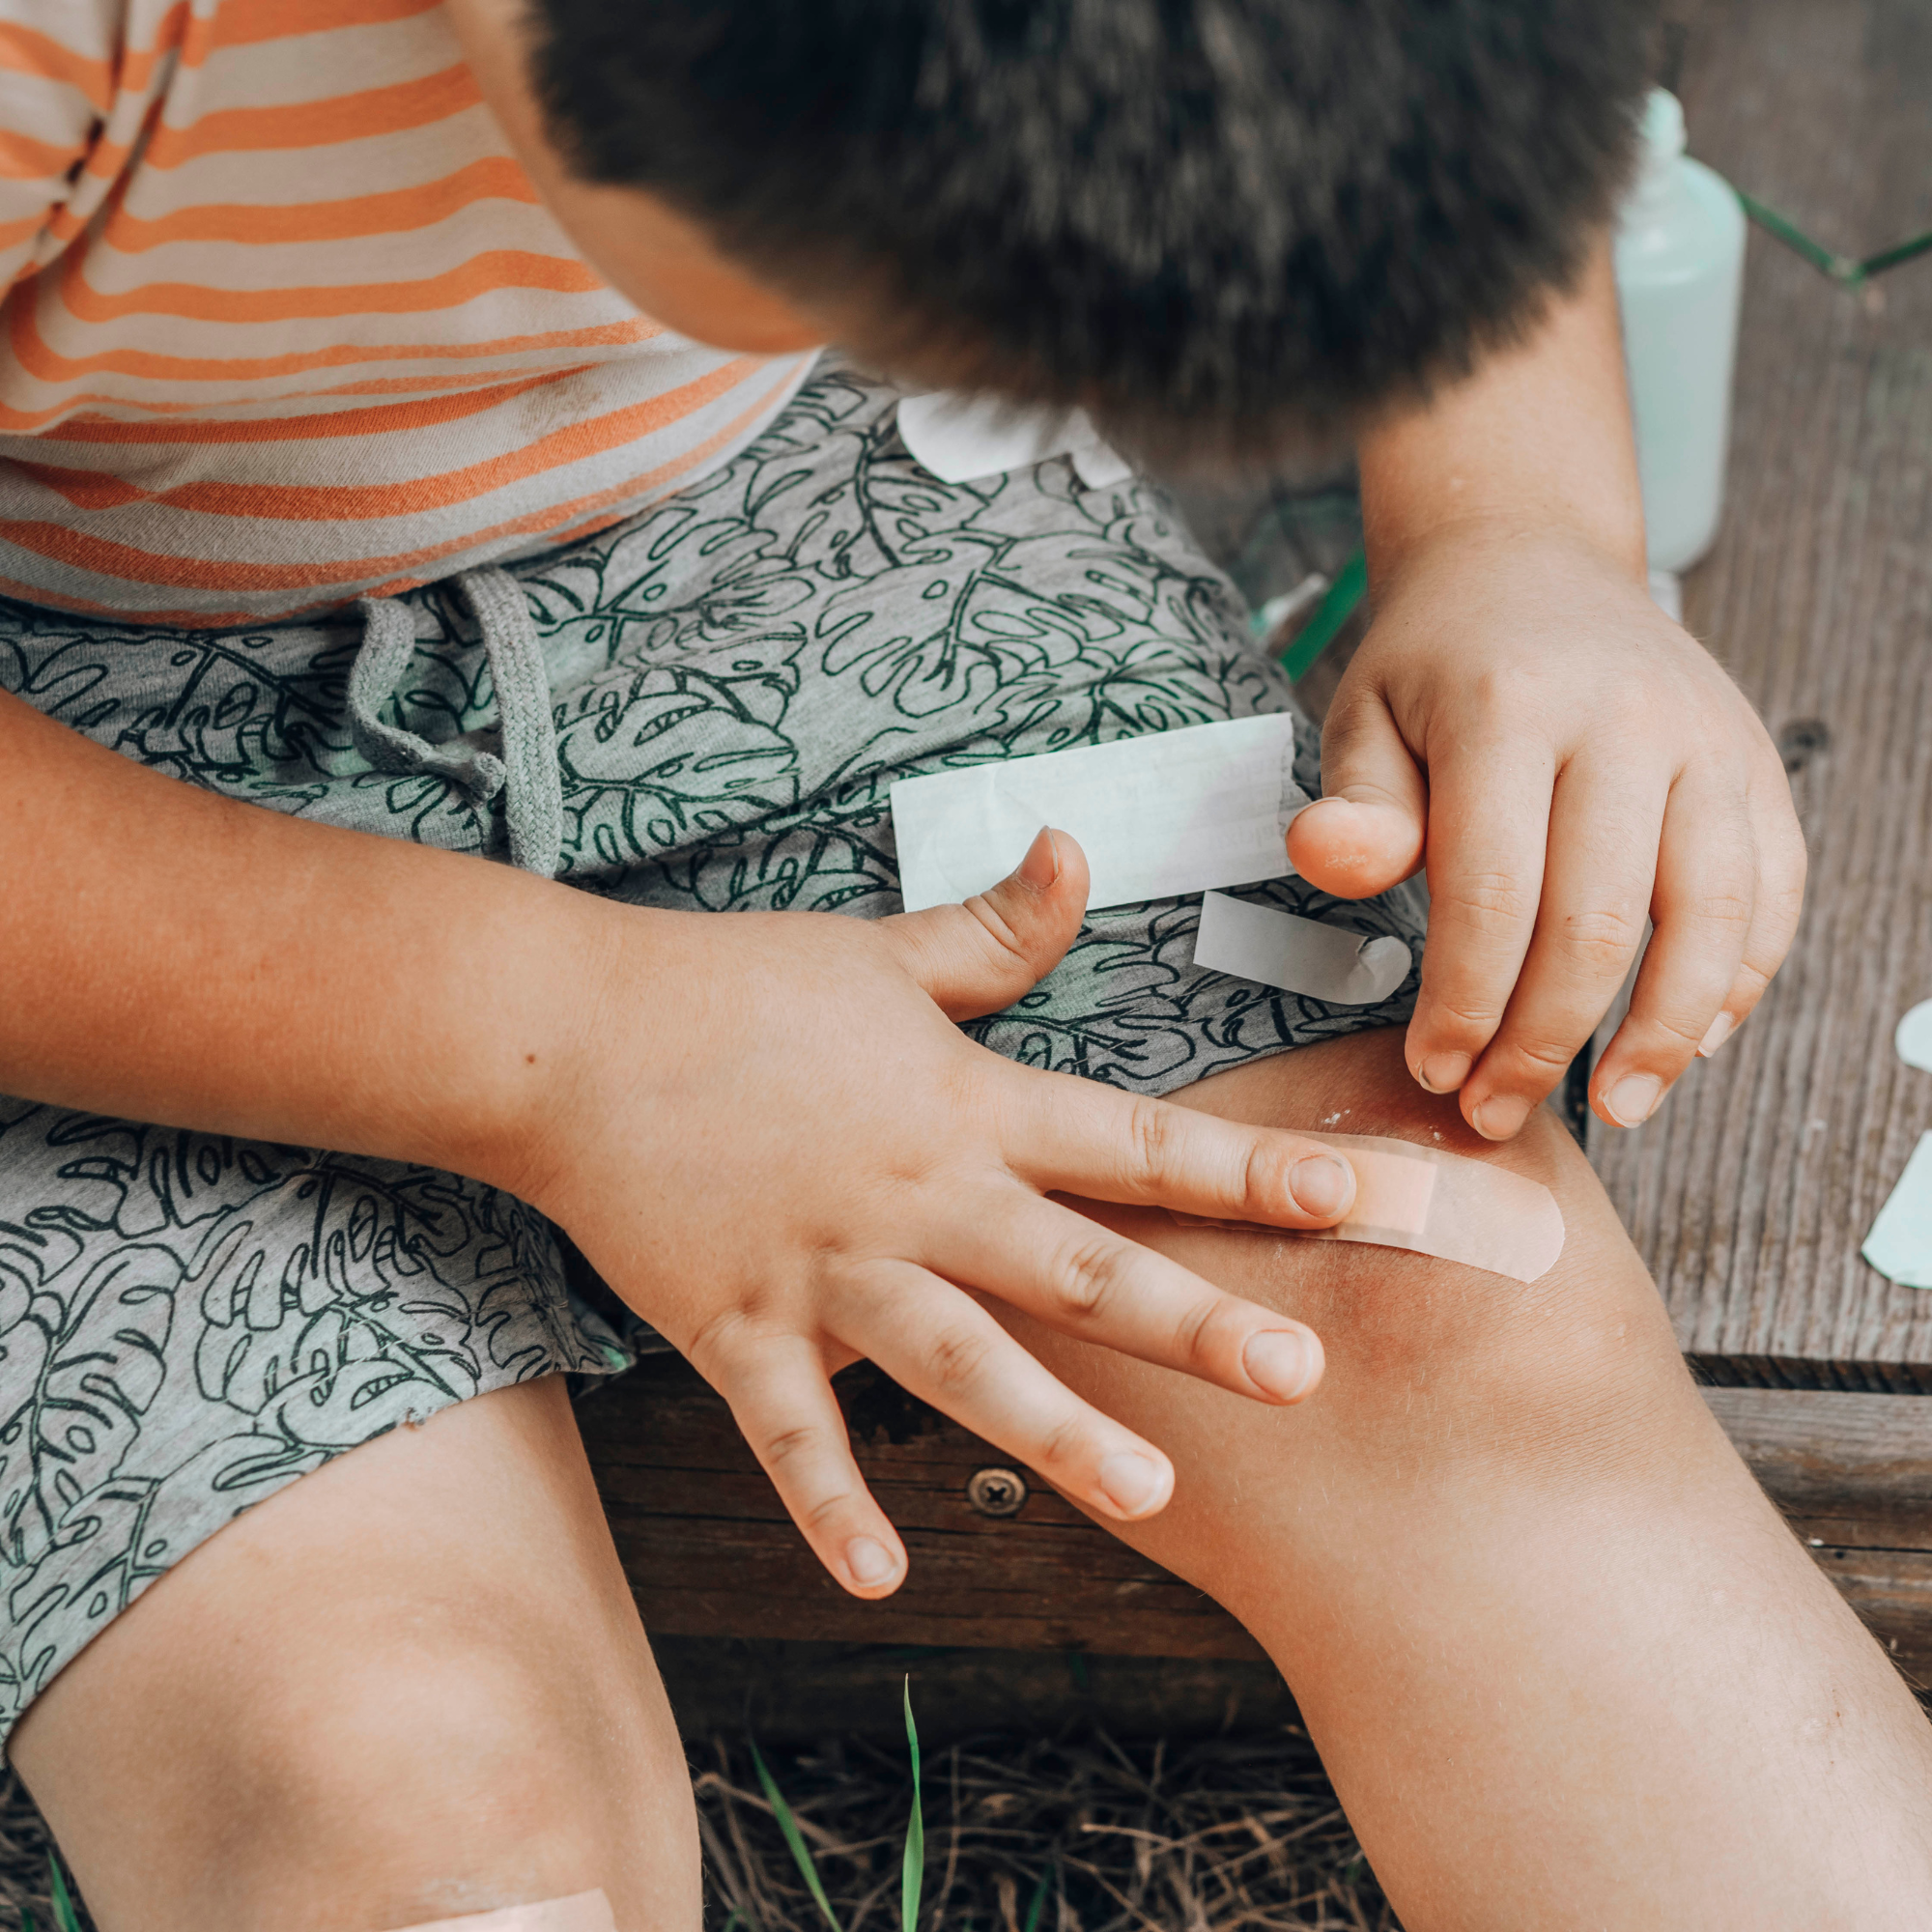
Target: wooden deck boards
1750,1191
711,1553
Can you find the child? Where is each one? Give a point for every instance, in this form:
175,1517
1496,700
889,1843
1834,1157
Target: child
502,321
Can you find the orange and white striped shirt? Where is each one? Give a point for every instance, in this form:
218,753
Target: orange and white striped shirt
285,322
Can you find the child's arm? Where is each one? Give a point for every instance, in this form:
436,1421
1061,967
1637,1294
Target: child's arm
1567,759
762,1130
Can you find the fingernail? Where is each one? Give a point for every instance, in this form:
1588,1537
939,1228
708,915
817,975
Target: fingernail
1722,1029
1498,1116
1129,1481
1041,864
1633,1099
1321,1183
1443,1073
870,1561
1282,1362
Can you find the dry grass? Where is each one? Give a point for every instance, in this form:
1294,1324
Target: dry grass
25,1846
1204,1837
1211,1836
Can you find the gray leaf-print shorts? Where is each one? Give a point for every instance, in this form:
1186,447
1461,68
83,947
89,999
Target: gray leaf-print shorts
736,676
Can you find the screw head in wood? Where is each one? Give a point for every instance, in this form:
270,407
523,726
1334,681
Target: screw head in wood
997,1491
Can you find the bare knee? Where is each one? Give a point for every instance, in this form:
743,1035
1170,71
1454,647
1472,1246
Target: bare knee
1562,1377
408,1687
428,1776
455,1772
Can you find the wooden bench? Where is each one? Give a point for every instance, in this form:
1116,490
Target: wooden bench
1750,1191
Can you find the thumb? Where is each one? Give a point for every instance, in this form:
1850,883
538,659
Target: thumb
1365,833
977,957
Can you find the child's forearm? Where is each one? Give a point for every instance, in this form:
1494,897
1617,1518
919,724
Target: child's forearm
176,957
1539,437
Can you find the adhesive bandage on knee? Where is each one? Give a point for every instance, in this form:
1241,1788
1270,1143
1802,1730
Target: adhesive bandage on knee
1444,1205
581,1912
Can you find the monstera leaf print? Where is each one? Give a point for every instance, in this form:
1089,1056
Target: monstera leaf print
653,757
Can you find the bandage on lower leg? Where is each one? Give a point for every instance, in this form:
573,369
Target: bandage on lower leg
1434,1202
581,1912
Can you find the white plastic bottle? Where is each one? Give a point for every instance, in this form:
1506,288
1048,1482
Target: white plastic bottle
1680,251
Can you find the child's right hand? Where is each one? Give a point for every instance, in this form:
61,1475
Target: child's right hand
773,1141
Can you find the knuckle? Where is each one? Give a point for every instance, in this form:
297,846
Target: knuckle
1603,934
827,1509
1088,1278
1786,895
1150,1136
954,1358
1488,903
1449,1021
1065,1446
785,1448
1008,951
1732,910
718,1337
1543,1058
1264,1182
1676,1037
1198,1334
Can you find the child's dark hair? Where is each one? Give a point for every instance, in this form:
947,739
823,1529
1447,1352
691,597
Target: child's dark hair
1215,223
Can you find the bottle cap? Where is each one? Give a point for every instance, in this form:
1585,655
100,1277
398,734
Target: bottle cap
1662,127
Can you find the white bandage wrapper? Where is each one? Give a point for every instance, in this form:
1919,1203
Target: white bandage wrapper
964,439
581,1912
1299,955
1433,1202
1914,1037
1180,811
1900,1242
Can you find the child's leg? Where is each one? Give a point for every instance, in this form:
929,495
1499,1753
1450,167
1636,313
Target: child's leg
1567,1666
410,1686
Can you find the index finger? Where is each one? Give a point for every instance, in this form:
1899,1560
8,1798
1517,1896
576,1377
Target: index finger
1077,1137
1488,829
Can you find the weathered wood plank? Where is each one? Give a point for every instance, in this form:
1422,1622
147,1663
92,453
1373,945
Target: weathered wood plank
788,1692
1750,1191
1845,1470
709,1547
710,1551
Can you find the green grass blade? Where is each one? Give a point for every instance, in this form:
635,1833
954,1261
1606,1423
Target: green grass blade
28,1923
795,1838
1336,607
66,1918
912,1872
1036,1904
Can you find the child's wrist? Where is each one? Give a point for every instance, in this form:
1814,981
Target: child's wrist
531,1014
1478,541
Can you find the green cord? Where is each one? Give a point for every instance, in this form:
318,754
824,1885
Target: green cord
1337,607
1891,258
1847,271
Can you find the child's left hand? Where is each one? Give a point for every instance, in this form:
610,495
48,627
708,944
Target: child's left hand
1568,760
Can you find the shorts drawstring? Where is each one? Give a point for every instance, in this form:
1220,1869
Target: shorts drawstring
526,773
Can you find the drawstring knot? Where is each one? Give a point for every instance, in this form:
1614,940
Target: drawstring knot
526,773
